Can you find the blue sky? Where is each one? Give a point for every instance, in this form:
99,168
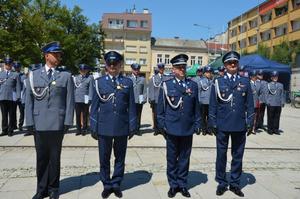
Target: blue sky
172,18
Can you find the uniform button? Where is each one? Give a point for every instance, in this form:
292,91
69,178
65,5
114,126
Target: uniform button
115,105
115,112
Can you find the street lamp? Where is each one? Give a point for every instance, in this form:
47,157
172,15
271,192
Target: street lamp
208,31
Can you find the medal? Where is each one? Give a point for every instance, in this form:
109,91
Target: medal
243,94
223,95
238,88
172,99
119,87
54,83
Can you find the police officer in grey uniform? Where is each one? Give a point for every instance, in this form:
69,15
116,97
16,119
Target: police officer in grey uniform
154,86
231,114
204,87
49,109
275,99
19,104
262,84
255,90
10,92
221,70
113,120
178,115
83,83
139,90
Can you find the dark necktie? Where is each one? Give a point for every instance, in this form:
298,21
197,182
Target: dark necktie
7,73
231,80
49,73
182,84
114,80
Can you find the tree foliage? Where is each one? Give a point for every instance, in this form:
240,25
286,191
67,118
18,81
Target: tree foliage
27,25
282,53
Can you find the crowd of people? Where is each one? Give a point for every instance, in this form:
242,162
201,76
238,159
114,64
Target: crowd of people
109,106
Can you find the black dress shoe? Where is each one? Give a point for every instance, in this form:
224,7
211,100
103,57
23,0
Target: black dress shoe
185,192
237,191
78,132
10,134
118,193
54,195
3,134
28,134
106,193
40,196
172,192
221,190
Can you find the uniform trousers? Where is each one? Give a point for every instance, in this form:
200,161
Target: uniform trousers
139,108
48,146
238,141
204,116
273,113
119,146
81,108
8,120
261,115
154,115
179,149
21,110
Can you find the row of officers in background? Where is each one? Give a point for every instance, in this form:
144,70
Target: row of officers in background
229,105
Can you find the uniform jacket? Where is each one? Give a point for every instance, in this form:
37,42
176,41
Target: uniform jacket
262,86
116,116
10,86
154,86
83,86
204,89
237,113
184,120
275,94
56,108
255,90
25,82
139,88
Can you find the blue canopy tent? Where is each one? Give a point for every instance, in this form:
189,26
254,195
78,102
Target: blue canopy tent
257,62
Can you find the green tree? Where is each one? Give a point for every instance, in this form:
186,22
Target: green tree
264,51
282,53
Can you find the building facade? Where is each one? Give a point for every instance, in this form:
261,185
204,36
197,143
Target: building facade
129,33
269,24
163,50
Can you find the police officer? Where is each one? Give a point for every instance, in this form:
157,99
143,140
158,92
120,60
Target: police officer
231,114
178,115
83,83
49,109
255,90
10,92
19,104
221,71
275,99
139,90
113,119
154,86
262,84
242,72
204,87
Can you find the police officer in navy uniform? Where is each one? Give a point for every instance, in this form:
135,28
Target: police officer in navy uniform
83,83
262,84
231,114
49,110
139,90
19,104
204,87
10,93
113,119
154,87
179,117
275,99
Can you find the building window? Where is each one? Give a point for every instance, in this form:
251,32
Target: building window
115,23
296,25
233,32
281,11
200,60
233,46
253,23
266,17
296,4
159,58
243,43
143,49
130,61
167,59
280,30
253,40
144,24
143,61
132,24
131,49
193,60
265,35
243,28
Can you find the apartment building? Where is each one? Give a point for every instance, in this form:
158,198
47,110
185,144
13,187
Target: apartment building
270,23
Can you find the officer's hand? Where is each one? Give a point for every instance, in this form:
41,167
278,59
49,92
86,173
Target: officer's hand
94,135
198,131
66,128
214,130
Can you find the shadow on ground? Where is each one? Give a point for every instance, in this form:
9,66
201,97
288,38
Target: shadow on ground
196,178
135,179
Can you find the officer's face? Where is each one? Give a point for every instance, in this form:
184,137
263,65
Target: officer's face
221,73
7,66
208,75
231,66
136,72
260,77
179,71
274,79
161,70
83,72
114,68
53,59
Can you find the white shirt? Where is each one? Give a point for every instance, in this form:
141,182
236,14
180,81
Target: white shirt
234,76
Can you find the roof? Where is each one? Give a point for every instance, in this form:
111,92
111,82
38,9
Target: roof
181,43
